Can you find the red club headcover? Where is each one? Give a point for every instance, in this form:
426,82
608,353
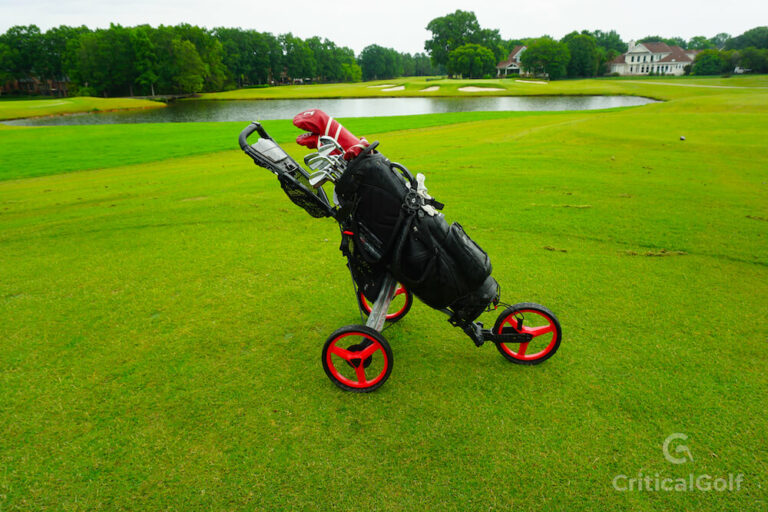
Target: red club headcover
318,123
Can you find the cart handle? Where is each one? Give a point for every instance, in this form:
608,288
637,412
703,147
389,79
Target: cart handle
253,127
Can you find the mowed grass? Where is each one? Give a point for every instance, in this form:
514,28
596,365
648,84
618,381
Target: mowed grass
653,87
162,324
17,109
58,149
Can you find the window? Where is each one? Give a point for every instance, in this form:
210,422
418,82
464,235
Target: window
643,58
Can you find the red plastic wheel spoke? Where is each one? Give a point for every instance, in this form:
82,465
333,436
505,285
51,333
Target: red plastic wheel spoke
523,348
368,351
538,331
344,354
360,371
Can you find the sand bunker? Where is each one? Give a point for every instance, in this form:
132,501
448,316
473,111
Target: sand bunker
472,88
398,88
431,89
531,82
382,85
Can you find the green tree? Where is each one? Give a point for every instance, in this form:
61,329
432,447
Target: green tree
275,53
546,56
58,46
23,51
188,69
145,59
720,40
210,51
756,37
351,72
237,52
448,33
700,43
491,39
671,41
754,59
5,59
423,65
331,59
610,41
409,64
378,62
471,60
709,62
299,60
585,57
103,62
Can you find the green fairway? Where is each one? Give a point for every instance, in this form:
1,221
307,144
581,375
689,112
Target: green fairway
15,109
655,87
163,306
58,149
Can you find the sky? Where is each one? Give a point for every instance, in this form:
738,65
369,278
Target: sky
400,24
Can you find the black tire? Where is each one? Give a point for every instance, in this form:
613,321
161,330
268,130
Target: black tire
338,360
546,323
365,307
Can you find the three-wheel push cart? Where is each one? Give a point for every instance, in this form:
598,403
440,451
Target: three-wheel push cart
397,245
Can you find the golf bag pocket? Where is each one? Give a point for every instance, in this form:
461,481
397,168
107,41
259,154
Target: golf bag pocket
439,263
377,218
301,195
473,263
371,247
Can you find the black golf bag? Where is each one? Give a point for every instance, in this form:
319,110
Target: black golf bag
386,228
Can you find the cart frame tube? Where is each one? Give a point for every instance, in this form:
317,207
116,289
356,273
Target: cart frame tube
379,311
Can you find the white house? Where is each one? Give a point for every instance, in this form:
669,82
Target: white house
511,66
656,58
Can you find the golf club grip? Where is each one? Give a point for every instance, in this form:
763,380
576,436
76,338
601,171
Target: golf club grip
253,127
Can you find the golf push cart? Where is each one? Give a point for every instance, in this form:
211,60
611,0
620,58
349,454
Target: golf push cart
397,245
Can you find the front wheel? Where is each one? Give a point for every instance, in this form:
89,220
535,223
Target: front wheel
533,319
357,358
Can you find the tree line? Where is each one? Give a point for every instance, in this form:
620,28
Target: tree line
467,50
181,59
145,60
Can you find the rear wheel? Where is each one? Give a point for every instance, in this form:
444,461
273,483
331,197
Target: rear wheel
401,304
533,319
357,358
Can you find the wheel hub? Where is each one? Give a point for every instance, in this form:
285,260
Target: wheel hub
359,347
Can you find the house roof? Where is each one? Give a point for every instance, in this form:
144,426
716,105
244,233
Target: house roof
619,59
657,47
511,57
676,54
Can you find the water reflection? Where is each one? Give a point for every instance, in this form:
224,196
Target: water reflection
237,110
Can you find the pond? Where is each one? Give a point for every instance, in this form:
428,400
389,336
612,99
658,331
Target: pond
251,110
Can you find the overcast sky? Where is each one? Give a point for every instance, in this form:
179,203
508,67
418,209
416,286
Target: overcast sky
400,24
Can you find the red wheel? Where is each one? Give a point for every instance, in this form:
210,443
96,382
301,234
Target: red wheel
400,306
533,319
356,358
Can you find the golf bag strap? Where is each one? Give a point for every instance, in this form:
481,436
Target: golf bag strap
396,265
367,151
437,205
